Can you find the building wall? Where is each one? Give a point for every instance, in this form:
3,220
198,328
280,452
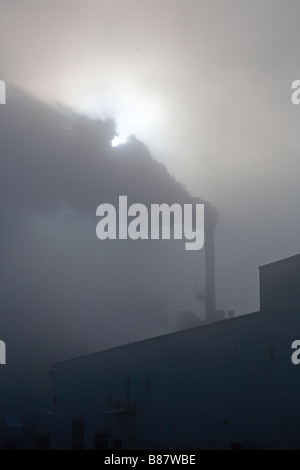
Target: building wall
280,285
209,387
25,426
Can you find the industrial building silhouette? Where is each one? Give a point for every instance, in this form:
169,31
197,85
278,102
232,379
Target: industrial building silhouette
226,384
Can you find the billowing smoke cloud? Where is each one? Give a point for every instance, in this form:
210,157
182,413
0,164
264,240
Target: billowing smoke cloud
63,291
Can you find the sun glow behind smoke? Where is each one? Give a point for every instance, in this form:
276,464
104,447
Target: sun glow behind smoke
135,111
116,141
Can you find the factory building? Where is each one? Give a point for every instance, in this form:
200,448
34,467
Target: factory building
25,426
228,384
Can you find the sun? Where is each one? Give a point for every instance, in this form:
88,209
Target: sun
116,141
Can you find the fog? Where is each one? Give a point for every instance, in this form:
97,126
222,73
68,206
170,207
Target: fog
206,89
64,292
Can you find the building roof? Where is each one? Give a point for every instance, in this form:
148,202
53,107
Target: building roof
159,337
284,260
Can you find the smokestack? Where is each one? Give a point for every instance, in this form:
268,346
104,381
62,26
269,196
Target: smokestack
210,289
209,295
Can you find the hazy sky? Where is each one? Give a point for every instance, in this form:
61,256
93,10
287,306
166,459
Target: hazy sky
206,85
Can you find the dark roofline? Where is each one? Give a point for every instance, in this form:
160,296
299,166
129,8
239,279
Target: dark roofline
153,338
284,260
